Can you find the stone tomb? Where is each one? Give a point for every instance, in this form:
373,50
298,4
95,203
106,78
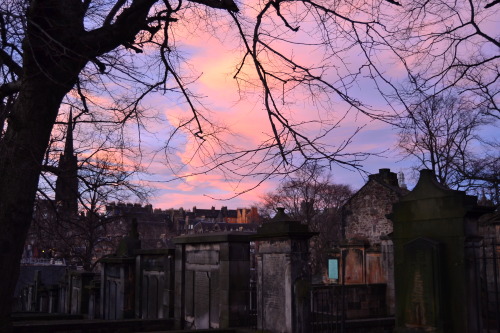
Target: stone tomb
435,274
283,277
212,280
423,278
118,278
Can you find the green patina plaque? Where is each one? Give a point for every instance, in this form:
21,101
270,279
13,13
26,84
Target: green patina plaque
333,269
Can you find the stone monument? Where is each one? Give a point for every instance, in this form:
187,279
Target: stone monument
118,278
435,276
283,276
154,297
212,280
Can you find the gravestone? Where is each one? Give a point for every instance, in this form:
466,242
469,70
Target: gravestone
353,257
79,291
94,299
154,297
118,278
43,278
212,280
434,273
283,276
117,288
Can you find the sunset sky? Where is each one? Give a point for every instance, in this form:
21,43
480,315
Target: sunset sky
215,60
211,53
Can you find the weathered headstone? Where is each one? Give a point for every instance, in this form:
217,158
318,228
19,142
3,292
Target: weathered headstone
154,296
212,280
79,291
118,278
94,299
283,276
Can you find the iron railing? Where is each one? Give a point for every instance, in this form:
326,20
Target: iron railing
485,261
327,310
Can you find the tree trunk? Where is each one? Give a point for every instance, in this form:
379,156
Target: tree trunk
50,69
21,154
48,77
56,48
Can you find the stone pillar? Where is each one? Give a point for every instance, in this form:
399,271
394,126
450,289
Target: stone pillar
434,273
283,275
53,298
212,280
387,249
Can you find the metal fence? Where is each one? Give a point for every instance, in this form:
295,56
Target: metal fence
251,318
327,310
353,308
486,283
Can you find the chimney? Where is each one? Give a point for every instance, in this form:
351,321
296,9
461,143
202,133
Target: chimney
386,176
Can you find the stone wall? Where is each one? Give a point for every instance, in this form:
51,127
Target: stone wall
364,215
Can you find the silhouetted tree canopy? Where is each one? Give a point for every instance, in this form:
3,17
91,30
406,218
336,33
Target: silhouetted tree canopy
443,134
310,196
321,55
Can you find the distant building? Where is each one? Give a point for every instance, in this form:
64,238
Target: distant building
59,231
364,214
157,227
66,195
49,215
240,215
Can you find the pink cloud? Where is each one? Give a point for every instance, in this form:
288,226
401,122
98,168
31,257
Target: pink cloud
243,114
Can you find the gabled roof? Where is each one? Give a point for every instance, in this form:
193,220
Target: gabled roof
385,178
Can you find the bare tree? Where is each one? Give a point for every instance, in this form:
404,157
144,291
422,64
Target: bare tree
443,134
452,46
310,196
54,51
80,239
482,173
84,235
